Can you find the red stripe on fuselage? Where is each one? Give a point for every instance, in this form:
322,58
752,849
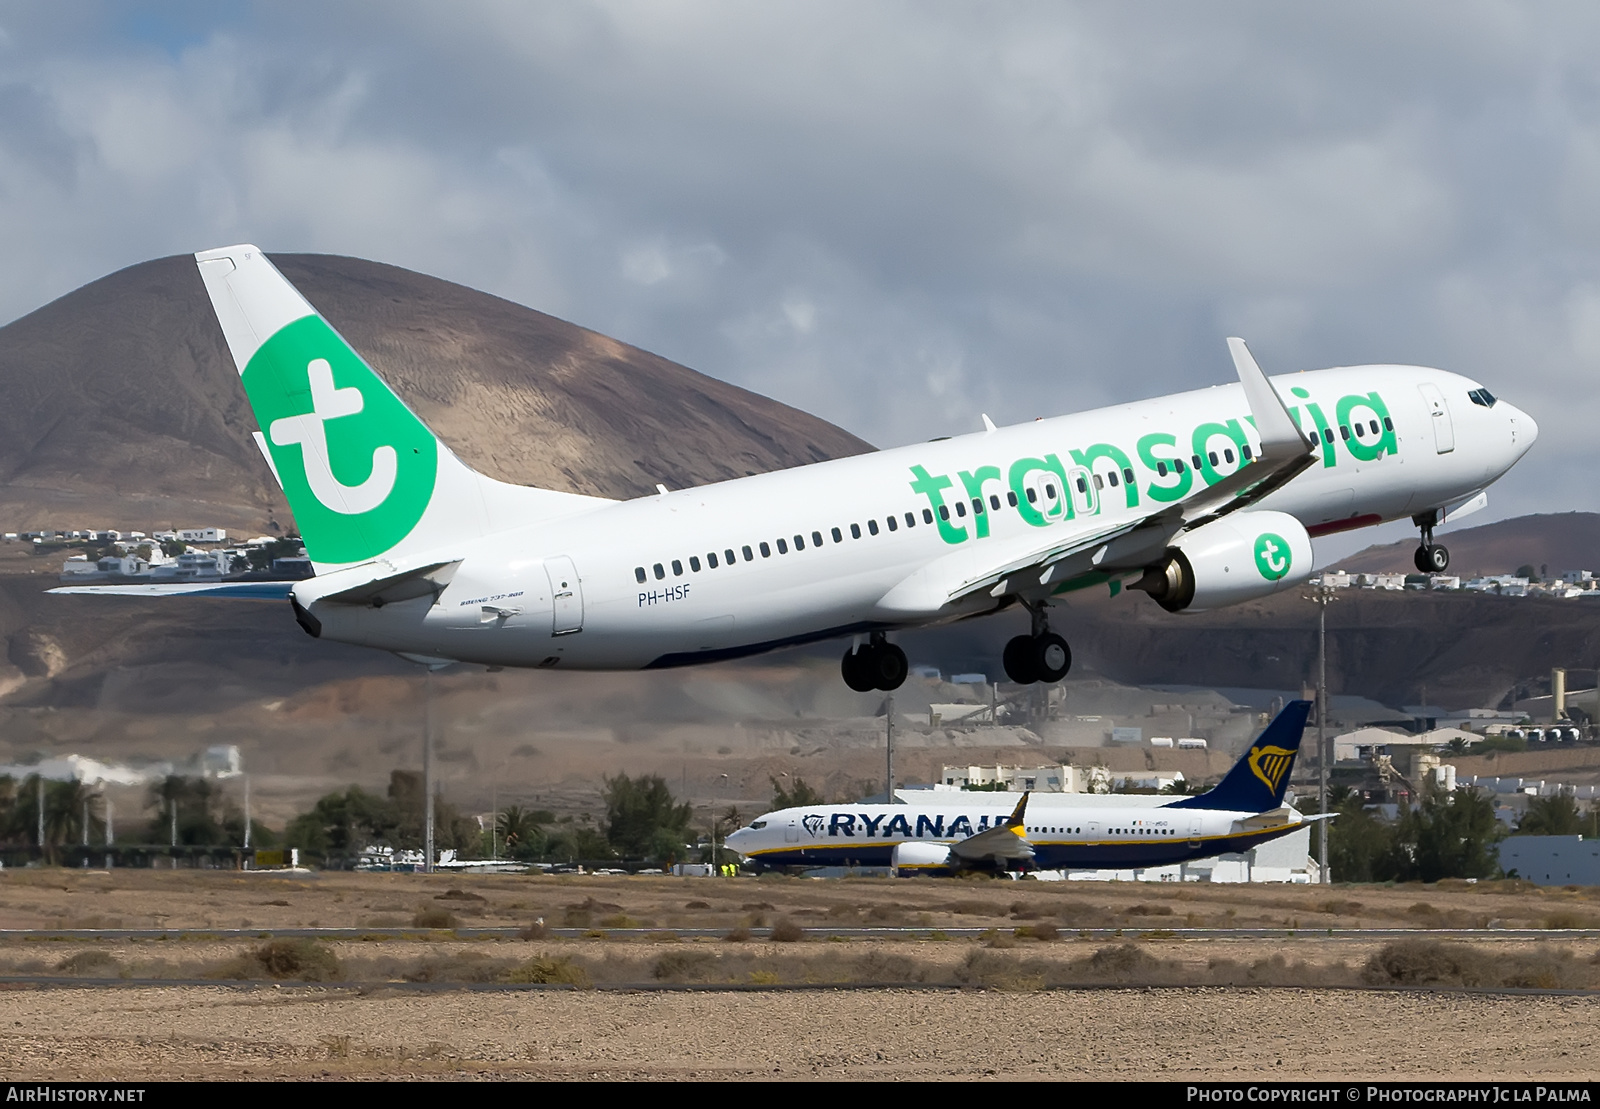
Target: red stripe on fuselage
1344,525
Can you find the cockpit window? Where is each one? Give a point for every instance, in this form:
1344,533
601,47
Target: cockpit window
758,824
1483,397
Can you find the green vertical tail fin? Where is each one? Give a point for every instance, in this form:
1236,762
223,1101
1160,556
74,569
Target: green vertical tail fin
364,477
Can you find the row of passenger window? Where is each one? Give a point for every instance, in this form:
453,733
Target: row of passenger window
730,556
1054,830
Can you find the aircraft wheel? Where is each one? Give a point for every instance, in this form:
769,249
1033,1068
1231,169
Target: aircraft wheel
889,667
1438,559
857,670
1018,660
1421,562
1052,658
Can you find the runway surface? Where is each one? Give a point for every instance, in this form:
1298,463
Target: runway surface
823,932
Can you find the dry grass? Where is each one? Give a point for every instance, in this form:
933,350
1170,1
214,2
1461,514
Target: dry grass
1433,963
549,970
284,960
1566,918
90,964
787,931
434,917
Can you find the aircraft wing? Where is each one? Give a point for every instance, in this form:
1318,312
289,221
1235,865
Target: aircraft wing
1004,841
228,590
1066,552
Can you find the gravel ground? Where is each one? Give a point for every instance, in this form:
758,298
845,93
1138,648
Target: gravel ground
137,1034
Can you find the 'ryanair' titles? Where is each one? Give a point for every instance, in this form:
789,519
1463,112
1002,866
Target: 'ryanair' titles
950,833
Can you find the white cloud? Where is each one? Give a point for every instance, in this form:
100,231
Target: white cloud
895,215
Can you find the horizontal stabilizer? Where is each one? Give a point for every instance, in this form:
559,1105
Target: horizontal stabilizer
228,590
426,580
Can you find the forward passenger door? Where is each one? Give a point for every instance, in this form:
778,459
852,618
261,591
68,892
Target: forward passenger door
566,596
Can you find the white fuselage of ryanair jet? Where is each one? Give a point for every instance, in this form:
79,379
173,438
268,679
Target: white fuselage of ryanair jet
1060,833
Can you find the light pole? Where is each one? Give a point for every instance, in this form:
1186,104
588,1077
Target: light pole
494,806
720,779
888,777
1322,596
427,761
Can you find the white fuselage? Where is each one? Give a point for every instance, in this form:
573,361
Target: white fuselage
568,592
1063,830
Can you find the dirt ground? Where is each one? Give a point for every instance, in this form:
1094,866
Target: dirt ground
194,899
133,1034
1036,997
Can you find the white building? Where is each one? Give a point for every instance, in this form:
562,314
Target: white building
202,535
1038,779
1363,743
78,566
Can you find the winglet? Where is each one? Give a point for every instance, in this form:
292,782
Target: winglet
1018,814
1279,435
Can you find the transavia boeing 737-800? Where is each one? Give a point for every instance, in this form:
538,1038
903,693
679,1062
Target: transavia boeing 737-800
951,833
1200,499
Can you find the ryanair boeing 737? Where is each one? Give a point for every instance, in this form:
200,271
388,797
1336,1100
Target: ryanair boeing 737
1201,499
945,833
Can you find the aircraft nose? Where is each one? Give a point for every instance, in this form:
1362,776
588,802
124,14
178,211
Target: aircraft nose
1524,430
733,839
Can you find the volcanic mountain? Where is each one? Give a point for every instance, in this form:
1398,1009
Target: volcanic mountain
123,409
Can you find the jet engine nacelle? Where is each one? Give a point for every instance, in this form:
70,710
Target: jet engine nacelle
1242,556
920,858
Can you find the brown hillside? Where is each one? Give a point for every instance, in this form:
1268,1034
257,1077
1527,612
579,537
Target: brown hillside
1561,541
123,409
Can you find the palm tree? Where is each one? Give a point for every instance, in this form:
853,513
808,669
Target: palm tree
66,805
1552,816
519,826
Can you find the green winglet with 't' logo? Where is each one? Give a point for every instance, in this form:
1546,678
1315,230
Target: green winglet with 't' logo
357,466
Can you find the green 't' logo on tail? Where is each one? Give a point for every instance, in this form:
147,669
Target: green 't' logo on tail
1273,556
357,467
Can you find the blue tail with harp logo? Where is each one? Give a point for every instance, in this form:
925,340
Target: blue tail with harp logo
1257,781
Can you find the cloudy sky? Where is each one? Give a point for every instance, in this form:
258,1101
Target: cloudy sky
894,215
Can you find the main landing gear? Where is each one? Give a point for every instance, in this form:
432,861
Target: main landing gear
876,664
1041,657
1431,558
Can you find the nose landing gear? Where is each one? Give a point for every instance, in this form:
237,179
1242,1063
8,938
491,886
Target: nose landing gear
1041,657
876,664
1431,558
